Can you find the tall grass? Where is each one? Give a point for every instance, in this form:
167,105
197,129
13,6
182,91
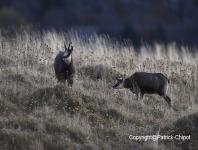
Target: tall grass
102,118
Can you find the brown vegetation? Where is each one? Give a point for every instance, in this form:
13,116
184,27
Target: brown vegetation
38,113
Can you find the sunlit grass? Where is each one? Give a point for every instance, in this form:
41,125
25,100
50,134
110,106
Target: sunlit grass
103,118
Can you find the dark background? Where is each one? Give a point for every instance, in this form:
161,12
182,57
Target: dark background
142,21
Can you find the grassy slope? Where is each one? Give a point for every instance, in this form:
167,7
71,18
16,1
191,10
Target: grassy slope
38,113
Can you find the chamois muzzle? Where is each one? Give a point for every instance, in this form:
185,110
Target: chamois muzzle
119,83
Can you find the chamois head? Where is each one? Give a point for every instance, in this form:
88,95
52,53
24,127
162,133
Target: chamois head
68,53
119,84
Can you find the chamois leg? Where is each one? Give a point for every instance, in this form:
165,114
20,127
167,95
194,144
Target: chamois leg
168,100
163,93
140,96
70,81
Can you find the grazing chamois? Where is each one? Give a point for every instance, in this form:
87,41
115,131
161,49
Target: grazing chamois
141,83
63,65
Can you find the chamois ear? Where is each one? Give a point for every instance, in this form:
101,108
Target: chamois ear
65,46
71,49
119,78
69,45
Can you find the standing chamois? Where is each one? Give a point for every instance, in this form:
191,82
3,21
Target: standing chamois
142,83
63,65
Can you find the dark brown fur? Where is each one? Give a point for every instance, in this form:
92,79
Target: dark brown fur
64,70
142,83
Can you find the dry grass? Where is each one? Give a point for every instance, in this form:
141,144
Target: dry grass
37,113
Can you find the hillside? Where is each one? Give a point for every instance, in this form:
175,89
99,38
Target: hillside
184,126
37,113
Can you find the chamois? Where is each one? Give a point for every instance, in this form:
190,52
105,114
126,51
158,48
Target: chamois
63,65
142,83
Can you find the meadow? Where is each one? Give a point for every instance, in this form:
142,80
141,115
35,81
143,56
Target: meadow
37,113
